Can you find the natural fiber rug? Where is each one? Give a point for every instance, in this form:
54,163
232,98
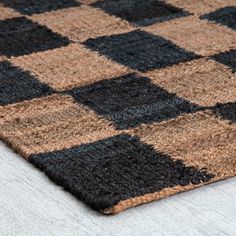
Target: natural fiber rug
121,102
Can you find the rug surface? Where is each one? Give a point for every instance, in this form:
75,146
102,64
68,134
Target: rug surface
121,102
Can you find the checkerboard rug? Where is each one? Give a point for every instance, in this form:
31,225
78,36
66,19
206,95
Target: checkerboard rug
121,102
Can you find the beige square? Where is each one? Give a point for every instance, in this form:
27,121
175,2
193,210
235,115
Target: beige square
81,23
198,139
69,67
199,36
204,82
6,13
201,6
49,124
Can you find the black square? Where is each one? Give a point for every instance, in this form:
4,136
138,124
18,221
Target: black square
30,7
140,50
114,169
20,36
131,100
17,85
225,16
226,111
140,12
227,58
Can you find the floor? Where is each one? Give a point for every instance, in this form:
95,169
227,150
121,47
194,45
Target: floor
30,204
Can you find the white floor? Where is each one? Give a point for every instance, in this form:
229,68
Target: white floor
30,204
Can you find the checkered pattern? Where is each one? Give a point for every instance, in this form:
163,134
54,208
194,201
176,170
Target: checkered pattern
120,102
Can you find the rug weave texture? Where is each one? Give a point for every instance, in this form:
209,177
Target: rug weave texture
121,102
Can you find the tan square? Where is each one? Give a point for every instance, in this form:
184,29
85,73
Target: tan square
198,139
203,82
199,36
201,6
6,13
49,124
81,23
69,67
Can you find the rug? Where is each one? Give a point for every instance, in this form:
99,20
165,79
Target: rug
120,102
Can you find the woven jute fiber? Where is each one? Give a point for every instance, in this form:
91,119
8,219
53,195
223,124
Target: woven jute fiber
121,102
